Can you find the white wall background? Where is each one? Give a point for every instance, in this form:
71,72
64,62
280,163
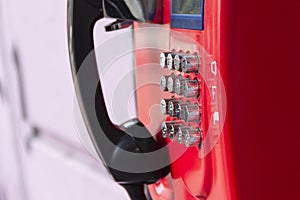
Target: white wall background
53,165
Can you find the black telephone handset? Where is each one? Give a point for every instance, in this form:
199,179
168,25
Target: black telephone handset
133,136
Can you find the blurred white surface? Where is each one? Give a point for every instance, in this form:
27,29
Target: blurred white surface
53,165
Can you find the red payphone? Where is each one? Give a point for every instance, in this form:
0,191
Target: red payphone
210,65
192,98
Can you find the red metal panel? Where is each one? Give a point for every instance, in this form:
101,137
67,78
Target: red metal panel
263,67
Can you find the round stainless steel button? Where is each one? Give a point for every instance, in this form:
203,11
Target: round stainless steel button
179,111
172,107
163,59
171,84
164,105
180,133
190,63
179,85
170,61
192,113
190,88
178,63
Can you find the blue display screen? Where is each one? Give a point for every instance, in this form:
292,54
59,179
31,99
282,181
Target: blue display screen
187,14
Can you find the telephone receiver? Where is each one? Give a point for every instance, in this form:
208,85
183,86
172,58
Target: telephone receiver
129,142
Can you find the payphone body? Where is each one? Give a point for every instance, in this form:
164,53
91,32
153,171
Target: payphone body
246,84
200,172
